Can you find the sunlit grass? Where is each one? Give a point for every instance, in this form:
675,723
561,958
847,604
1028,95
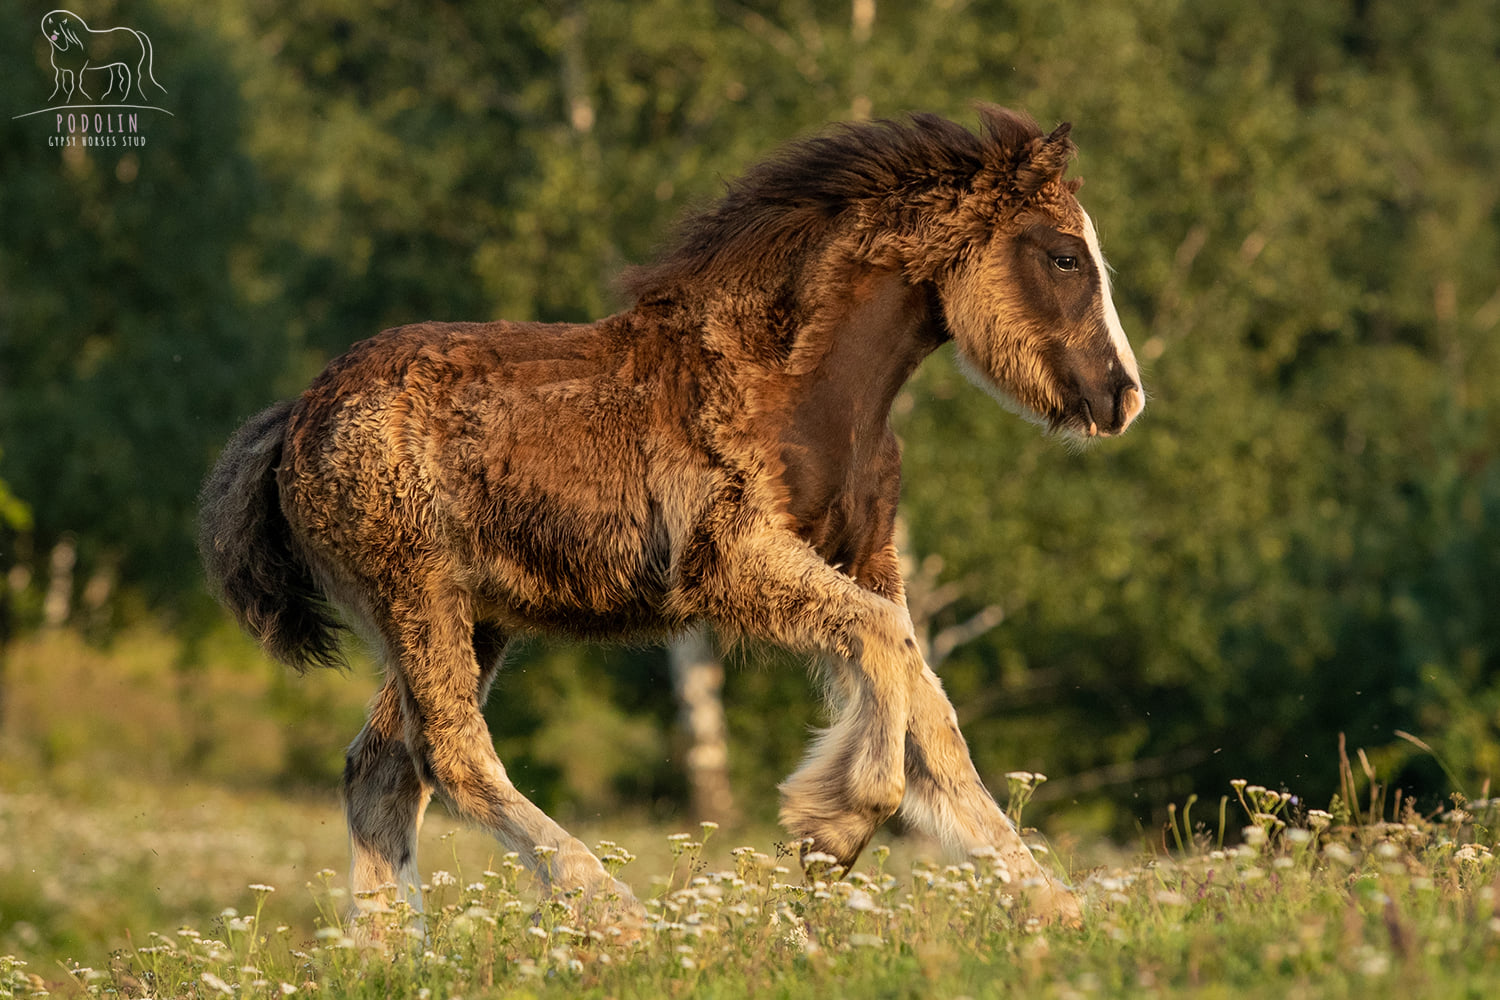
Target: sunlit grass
1300,905
119,876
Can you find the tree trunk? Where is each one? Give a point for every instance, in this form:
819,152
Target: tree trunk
698,682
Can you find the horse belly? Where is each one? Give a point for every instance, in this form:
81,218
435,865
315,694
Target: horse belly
560,528
544,561
114,46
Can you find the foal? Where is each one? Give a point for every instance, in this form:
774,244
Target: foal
719,451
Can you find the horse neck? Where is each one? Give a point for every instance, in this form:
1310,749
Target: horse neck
837,462
867,336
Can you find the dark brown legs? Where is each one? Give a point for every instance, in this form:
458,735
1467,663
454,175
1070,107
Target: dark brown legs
893,740
384,799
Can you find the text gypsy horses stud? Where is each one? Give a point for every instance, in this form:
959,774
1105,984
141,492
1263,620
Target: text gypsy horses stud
718,451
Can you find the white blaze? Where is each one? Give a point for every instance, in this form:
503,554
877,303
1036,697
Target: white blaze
1111,318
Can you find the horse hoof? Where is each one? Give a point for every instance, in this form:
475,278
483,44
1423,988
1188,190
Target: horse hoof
612,910
1051,902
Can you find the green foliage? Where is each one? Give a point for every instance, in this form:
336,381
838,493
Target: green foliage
1297,540
127,348
1293,542
146,709
583,729
14,515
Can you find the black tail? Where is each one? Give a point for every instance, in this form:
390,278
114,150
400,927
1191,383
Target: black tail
250,557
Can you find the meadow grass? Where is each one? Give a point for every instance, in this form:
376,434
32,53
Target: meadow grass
1317,904
126,872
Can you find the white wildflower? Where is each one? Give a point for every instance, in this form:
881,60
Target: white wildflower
1373,962
213,982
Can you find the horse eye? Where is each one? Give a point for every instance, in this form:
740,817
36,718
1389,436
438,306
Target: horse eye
1063,263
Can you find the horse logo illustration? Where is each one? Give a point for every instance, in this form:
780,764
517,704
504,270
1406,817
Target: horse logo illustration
124,54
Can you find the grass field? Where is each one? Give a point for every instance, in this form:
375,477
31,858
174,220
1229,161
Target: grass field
229,896
120,877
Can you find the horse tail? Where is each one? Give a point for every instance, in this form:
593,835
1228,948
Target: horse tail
249,553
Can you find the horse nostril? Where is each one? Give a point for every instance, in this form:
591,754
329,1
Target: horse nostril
1092,428
1128,404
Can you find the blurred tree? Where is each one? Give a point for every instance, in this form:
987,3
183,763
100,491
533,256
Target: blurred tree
1297,540
698,685
1223,591
128,342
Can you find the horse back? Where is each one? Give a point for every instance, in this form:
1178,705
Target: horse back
546,470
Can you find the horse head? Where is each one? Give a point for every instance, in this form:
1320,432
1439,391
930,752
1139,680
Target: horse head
1027,297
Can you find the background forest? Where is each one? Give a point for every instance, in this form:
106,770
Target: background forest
1300,539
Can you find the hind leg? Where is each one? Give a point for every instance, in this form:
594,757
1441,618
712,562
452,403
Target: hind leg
385,793
384,799
445,733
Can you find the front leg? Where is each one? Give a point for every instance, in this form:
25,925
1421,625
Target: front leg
945,797
778,588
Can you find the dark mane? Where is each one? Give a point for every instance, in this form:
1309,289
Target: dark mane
790,201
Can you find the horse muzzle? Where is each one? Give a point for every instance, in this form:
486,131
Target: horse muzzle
1106,410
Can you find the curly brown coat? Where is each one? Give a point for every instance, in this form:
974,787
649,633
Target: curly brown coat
719,451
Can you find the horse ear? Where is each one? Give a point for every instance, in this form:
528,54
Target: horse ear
1046,159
